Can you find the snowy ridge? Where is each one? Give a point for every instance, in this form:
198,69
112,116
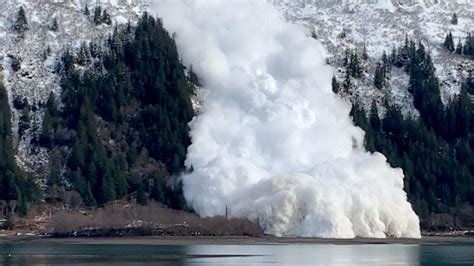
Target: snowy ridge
38,51
382,25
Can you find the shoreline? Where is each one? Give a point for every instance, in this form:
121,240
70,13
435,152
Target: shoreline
232,240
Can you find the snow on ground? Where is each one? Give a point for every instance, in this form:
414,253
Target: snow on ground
39,50
381,25
378,24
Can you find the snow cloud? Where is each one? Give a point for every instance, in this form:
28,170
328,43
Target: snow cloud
272,143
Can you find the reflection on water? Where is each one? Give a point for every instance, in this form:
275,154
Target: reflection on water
292,254
313,254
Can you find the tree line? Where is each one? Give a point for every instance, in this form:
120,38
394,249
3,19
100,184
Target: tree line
466,48
435,150
118,129
124,119
16,189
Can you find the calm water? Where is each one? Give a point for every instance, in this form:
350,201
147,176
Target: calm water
294,254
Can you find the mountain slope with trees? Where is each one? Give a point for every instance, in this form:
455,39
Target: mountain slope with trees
125,118
115,124
435,149
16,190
118,129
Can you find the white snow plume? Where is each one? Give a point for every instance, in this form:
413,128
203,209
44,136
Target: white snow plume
272,143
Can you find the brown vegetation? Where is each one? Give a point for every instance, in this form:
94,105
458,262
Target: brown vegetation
463,220
132,219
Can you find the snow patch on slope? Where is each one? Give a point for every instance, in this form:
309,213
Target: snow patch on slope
381,25
39,50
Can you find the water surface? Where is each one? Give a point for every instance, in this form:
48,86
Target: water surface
282,254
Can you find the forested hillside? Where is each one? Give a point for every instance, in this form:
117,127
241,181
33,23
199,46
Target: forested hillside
118,129
125,115
16,190
118,126
435,150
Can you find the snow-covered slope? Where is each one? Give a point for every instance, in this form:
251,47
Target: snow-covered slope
378,24
381,25
38,52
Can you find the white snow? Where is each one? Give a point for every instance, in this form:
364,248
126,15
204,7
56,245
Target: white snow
382,25
272,142
36,78
267,145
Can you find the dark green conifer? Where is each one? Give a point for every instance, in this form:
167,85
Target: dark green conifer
449,42
21,23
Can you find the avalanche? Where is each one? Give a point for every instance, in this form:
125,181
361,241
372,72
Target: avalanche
272,142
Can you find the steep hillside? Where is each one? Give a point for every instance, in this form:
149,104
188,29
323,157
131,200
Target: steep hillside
100,101
382,25
407,67
29,55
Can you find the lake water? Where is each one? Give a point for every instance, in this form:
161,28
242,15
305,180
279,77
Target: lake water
291,254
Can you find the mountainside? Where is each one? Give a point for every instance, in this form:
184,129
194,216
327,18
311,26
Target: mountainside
100,97
29,59
407,67
30,56
99,104
382,25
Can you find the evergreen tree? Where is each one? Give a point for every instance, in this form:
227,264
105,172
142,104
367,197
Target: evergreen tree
21,23
386,64
119,178
54,25
13,185
374,118
175,197
365,54
158,190
335,85
459,47
346,59
379,77
402,54
469,45
106,18
359,116
87,13
454,19
141,196
469,84
347,84
83,57
98,15
50,122
449,42
24,123
393,55
354,67
55,171
87,197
